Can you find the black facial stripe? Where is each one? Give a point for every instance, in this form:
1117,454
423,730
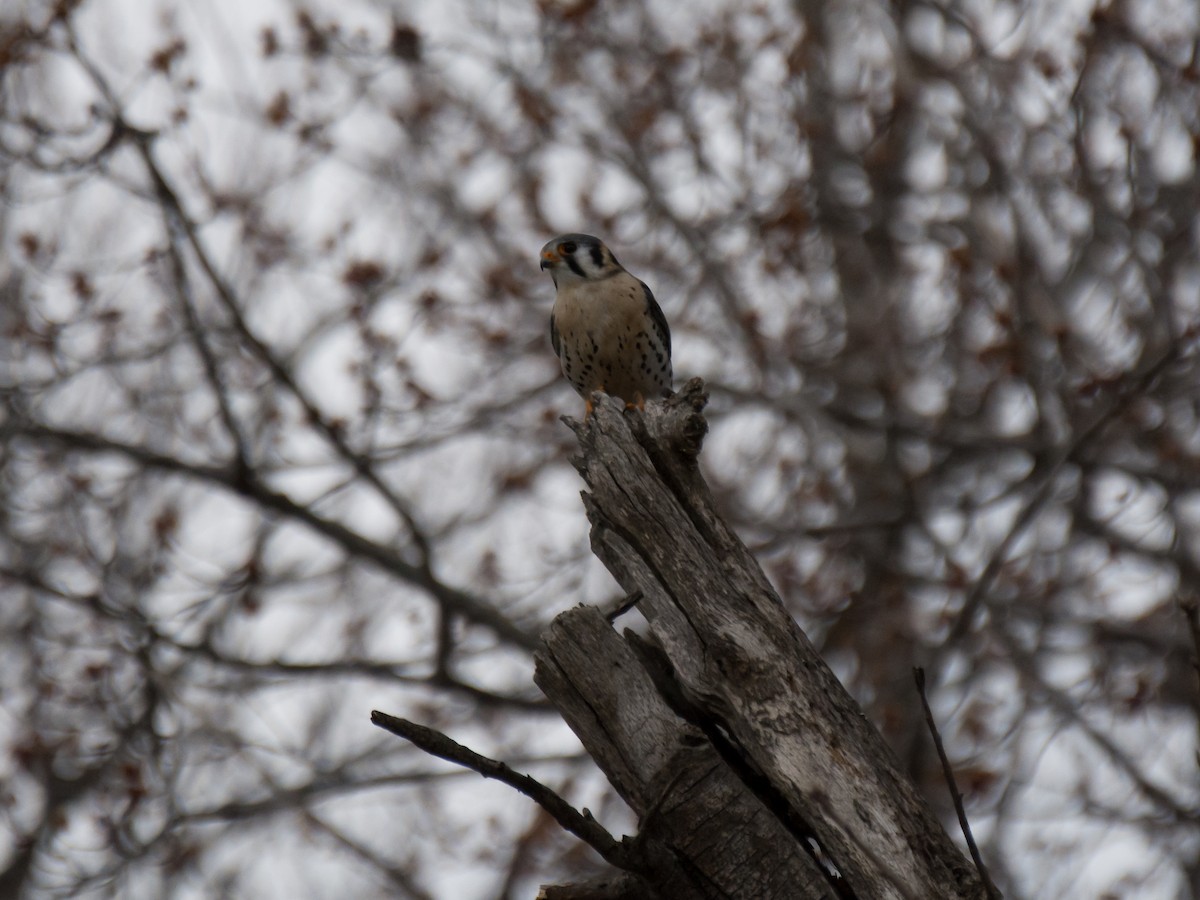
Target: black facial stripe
574,266
597,256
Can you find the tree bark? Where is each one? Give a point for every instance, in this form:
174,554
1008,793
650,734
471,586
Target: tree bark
753,772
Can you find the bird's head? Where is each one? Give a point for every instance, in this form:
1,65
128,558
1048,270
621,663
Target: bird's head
578,257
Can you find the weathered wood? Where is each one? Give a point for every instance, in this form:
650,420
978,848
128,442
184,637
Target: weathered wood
754,685
694,811
617,887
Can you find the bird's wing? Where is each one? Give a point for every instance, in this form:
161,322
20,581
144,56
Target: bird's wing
554,335
657,317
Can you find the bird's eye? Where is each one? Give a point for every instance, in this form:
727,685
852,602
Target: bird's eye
567,248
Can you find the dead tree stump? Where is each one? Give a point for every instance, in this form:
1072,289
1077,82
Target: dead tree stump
753,772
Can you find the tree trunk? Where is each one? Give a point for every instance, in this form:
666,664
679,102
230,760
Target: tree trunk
753,772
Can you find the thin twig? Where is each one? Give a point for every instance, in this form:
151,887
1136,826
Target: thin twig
989,886
626,604
582,825
1191,611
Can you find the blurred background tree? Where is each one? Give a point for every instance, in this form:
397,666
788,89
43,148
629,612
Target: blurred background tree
279,440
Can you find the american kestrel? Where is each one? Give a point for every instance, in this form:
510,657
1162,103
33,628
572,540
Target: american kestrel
606,326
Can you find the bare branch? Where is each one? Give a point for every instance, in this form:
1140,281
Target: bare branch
952,786
1190,608
582,825
244,484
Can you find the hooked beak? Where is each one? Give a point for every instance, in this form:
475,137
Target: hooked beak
549,258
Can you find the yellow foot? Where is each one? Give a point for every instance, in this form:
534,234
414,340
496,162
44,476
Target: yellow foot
587,403
639,402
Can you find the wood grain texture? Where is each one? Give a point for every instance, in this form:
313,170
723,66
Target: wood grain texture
715,835
759,720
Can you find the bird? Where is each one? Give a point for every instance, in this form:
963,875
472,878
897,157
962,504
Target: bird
606,327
